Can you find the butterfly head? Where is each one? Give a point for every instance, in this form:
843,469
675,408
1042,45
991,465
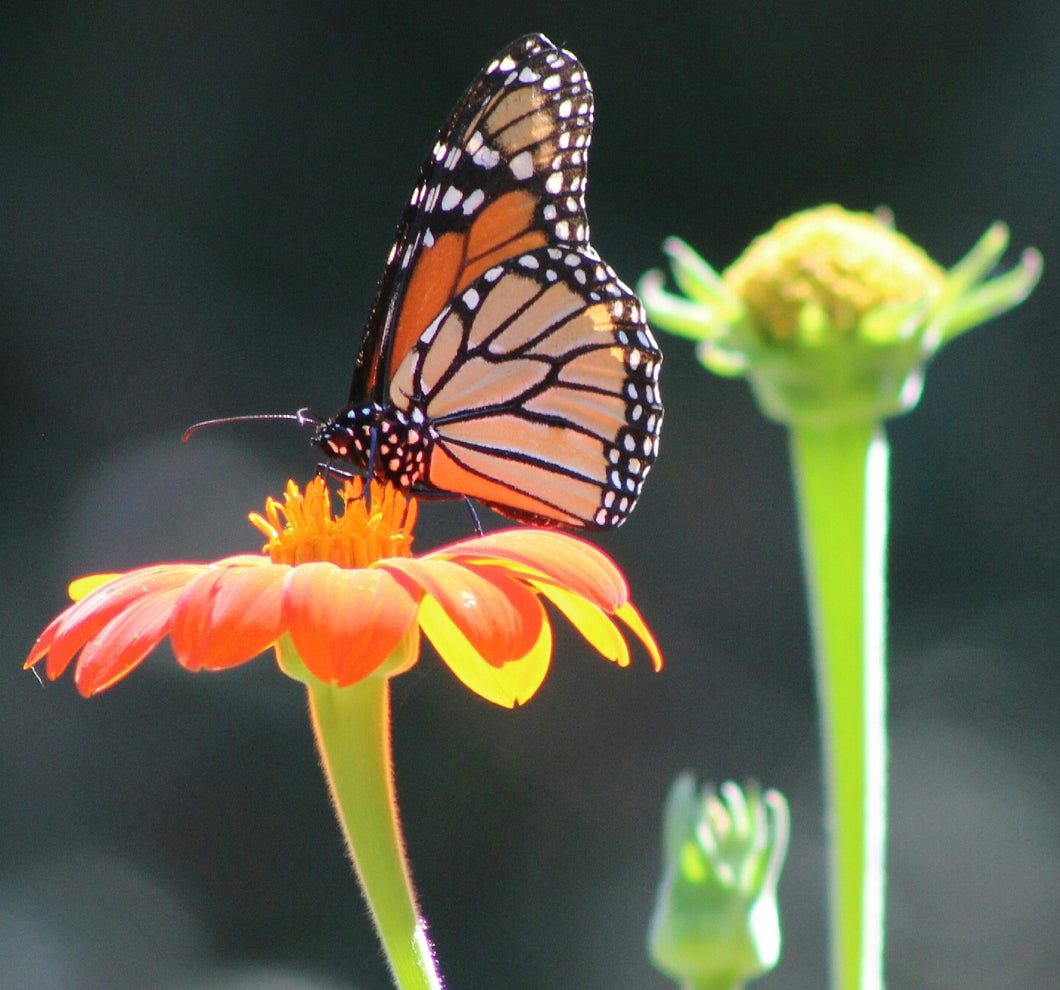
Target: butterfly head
390,444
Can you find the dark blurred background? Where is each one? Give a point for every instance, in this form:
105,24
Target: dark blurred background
195,203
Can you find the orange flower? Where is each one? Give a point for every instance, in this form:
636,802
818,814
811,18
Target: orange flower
349,594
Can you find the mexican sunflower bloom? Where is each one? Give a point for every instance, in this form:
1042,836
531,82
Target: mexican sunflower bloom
348,592
343,601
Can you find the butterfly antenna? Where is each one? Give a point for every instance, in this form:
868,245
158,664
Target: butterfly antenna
303,418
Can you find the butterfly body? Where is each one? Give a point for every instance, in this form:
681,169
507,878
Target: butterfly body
503,359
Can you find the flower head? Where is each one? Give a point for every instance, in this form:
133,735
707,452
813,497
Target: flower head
347,594
832,315
715,923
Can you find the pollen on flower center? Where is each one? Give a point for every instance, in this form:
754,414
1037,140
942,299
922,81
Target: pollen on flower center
832,267
302,528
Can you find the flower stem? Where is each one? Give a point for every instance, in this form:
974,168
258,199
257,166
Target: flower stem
841,486
352,729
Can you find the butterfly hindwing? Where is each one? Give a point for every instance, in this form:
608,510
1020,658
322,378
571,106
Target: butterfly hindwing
506,175
540,385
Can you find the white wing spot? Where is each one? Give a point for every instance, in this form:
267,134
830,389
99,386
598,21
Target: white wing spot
522,165
486,156
528,75
471,299
428,335
473,201
452,198
554,183
552,82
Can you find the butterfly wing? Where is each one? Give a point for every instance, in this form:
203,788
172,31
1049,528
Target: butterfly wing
502,359
506,176
540,384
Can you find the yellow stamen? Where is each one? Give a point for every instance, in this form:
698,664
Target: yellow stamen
303,529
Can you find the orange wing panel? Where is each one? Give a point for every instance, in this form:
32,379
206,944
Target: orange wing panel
430,288
447,475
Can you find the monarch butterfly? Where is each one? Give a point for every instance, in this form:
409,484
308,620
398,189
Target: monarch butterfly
503,360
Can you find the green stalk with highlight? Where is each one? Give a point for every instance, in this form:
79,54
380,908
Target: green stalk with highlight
841,477
351,726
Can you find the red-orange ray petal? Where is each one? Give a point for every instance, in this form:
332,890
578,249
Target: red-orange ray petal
566,560
76,625
345,623
124,642
510,684
228,616
498,615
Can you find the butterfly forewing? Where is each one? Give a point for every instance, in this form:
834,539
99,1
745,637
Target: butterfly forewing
506,175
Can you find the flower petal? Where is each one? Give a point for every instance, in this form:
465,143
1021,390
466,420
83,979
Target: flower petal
124,642
228,616
76,625
82,587
567,561
592,622
345,623
632,618
497,614
512,683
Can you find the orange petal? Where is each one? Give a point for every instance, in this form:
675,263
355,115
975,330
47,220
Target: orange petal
632,618
566,560
498,615
592,622
513,683
228,616
345,623
75,626
124,642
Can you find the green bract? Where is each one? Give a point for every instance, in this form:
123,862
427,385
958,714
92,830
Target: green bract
832,315
715,924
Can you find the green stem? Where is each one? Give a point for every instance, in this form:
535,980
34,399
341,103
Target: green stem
841,485
352,729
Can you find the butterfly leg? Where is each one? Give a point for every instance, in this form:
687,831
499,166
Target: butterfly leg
474,515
